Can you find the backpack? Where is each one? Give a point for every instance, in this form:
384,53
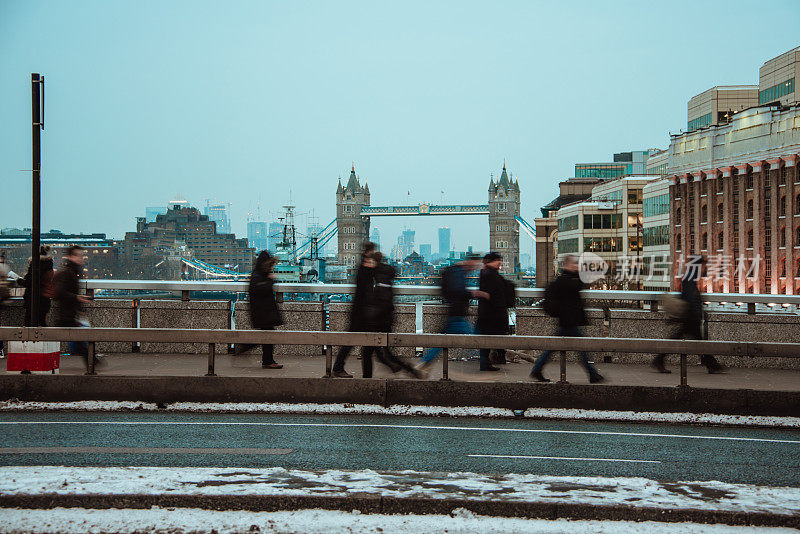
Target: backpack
550,304
675,307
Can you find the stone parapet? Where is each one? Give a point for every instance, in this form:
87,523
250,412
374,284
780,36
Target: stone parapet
405,321
305,316
181,314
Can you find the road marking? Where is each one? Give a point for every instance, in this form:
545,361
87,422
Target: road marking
411,427
563,458
138,450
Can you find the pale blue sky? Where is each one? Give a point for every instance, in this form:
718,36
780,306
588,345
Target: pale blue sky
242,102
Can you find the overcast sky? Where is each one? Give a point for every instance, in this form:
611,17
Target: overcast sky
251,102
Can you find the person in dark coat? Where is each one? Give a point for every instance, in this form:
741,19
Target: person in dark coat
46,288
264,312
380,318
456,295
358,322
690,326
69,299
492,311
569,307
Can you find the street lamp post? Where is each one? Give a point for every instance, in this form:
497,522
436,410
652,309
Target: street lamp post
37,125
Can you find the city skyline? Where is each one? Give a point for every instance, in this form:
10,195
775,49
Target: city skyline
412,143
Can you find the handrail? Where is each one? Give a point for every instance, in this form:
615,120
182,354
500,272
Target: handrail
447,341
401,289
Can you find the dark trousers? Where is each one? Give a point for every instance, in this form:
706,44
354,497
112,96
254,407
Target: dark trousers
574,331
44,309
486,363
266,349
689,330
385,356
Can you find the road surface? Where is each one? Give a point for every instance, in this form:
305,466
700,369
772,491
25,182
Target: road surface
662,452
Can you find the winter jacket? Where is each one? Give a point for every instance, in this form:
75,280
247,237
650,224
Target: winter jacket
493,312
566,293
364,285
264,312
380,302
66,295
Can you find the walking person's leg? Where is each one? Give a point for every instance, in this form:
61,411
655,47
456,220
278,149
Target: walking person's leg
658,360
591,370
541,361
388,358
338,365
366,361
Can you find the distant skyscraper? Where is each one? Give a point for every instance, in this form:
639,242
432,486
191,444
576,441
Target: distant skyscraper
405,245
151,212
375,237
425,251
219,214
258,235
444,242
275,235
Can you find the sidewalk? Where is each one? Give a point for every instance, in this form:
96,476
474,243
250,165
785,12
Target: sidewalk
249,365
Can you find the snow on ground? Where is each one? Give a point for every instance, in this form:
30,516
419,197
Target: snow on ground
433,411
77,520
596,491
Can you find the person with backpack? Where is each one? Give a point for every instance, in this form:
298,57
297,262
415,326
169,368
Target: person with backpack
379,316
46,291
493,311
562,299
689,315
456,295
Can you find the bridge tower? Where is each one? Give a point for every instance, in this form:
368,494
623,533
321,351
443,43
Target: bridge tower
504,201
353,229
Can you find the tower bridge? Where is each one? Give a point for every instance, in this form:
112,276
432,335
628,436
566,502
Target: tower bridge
354,212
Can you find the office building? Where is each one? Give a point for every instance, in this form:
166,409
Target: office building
425,251
657,265
625,163
718,104
153,211
102,253
777,78
444,242
275,236
258,235
405,245
183,230
218,213
375,237
609,224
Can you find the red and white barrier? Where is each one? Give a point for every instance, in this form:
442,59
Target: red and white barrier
36,357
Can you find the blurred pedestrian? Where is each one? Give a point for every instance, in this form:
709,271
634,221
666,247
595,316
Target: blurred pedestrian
46,288
380,318
689,321
564,301
264,312
493,310
358,322
70,301
456,296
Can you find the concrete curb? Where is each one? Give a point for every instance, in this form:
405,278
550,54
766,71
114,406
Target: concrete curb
511,395
376,504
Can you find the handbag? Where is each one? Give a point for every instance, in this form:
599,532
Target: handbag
674,306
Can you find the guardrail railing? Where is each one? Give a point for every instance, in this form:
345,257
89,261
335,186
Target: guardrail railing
371,339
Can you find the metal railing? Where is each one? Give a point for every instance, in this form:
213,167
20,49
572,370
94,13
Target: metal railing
447,341
647,298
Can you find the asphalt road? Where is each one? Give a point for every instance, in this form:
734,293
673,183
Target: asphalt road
662,452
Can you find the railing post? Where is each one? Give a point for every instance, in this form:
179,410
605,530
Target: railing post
445,358
684,380
563,365
211,355
90,292
90,358
328,365
185,296
653,306
751,308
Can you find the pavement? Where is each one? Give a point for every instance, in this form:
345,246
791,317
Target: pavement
249,365
765,457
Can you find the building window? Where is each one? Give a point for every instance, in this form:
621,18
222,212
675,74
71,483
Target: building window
749,209
720,241
501,206
797,205
347,208
720,185
776,92
501,244
705,241
704,213
783,238
678,241
782,176
719,212
678,215
749,180
783,267
797,237
782,211
699,122
750,239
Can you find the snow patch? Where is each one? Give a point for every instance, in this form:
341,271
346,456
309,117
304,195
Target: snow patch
78,521
406,410
595,491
